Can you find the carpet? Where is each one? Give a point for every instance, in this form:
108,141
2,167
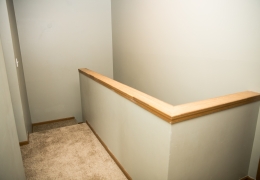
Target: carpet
71,152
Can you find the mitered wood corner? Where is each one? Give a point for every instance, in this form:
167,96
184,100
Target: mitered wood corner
169,113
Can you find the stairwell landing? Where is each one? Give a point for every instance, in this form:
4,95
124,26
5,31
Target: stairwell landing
67,150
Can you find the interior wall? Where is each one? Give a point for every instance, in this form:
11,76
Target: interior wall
215,146
20,72
11,166
181,51
138,139
255,156
57,38
11,50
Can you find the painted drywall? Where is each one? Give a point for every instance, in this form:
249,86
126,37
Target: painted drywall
216,146
255,156
11,165
20,72
10,43
56,38
138,139
180,51
19,69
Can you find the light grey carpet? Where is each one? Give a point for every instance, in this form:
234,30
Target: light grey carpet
44,127
71,152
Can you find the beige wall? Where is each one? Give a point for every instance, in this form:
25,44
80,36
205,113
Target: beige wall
58,37
182,51
138,139
20,72
11,165
216,146
11,49
255,156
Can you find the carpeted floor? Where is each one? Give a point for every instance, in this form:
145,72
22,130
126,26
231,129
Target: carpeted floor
71,152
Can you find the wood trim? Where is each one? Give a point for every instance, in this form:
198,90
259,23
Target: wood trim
169,113
110,153
52,121
25,142
247,178
244,178
258,171
250,178
46,122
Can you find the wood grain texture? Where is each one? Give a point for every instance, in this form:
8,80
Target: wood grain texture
174,114
52,121
110,153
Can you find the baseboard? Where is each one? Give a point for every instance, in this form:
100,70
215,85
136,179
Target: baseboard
258,171
110,153
52,121
45,122
247,178
25,142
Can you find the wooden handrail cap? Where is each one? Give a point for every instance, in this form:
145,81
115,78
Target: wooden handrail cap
174,114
